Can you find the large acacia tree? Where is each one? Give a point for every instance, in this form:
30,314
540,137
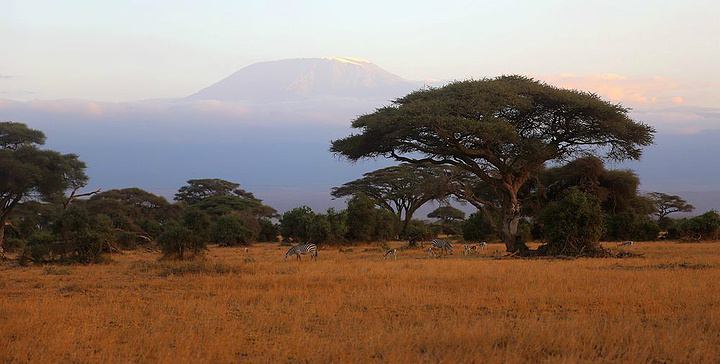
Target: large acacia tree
400,189
500,130
27,172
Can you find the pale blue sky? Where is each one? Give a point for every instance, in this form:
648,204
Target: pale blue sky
130,50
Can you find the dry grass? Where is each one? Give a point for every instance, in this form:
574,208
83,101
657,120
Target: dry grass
355,307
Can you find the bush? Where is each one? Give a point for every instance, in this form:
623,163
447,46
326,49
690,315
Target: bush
77,236
573,225
477,228
179,242
366,223
703,227
631,225
294,224
419,230
268,231
230,230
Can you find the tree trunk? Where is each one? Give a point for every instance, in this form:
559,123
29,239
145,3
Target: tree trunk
509,222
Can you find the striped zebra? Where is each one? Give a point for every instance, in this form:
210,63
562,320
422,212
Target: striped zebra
442,245
303,249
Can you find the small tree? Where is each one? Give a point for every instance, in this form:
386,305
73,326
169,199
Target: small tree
188,238
476,228
177,242
573,225
666,204
294,224
702,227
268,231
400,189
631,225
450,219
75,235
230,230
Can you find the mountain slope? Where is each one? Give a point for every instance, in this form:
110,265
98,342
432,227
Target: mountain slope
303,78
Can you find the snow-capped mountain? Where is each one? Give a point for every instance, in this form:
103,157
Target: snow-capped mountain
303,78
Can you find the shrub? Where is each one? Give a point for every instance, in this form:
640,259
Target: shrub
294,224
268,231
631,225
573,225
477,228
179,242
419,230
702,227
77,236
230,230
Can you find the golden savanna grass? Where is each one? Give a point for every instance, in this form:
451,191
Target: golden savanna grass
354,306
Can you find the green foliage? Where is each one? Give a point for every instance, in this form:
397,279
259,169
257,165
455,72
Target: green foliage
617,190
230,230
361,221
26,170
631,225
419,230
302,224
477,228
268,231
365,223
219,197
294,224
702,227
450,219
199,224
136,213
573,225
178,242
665,204
502,130
386,225
75,236
85,236
338,225
188,238
446,214
400,189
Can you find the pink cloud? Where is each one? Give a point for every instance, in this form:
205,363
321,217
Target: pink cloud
630,91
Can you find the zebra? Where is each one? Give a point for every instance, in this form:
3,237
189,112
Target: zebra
442,245
390,252
626,243
303,249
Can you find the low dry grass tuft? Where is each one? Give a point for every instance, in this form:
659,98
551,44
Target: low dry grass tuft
353,306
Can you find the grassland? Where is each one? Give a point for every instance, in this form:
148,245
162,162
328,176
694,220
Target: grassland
355,307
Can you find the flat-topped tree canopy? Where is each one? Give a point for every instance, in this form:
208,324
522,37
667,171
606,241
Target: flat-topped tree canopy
500,129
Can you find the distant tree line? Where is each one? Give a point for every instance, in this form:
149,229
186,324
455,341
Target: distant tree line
528,156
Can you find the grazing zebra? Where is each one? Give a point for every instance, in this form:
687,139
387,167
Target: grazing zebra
442,245
390,252
626,243
302,249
